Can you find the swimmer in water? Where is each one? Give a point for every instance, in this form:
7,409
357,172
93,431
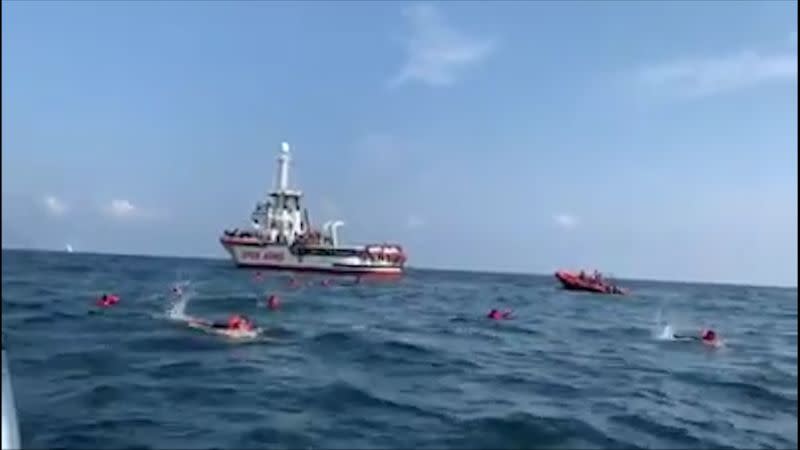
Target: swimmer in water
236,322
496,314
177,290
107,300
273,302
706,337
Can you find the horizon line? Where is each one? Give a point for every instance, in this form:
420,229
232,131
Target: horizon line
433,269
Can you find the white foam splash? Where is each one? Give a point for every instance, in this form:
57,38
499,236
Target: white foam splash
177,310
666,334
662,329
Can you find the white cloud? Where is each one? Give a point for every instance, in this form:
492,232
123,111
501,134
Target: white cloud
414,221
436,51
566,221
714,75
55,206
122,209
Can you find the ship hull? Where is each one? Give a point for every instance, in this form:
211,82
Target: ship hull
280,258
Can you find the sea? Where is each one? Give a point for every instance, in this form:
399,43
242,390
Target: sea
377,364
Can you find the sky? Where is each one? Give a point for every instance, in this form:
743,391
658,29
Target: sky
651,140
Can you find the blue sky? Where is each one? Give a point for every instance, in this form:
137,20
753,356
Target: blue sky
647,139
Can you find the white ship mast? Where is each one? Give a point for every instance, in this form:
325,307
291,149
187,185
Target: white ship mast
283,168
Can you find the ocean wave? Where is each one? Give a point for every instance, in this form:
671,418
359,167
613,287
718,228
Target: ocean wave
522,430
760,395
679,437
406,364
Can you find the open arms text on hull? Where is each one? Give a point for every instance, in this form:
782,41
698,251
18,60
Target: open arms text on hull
281,238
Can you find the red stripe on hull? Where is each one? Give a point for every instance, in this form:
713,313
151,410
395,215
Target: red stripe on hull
329,270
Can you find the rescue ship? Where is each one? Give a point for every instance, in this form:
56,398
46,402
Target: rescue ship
281,237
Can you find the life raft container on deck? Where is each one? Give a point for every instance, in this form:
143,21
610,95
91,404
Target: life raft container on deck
393,254
575,282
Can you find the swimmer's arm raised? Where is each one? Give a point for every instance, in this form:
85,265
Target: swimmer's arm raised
679,336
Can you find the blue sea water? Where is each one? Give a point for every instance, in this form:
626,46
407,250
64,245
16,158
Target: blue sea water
410,363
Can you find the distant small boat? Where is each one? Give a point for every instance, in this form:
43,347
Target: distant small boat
68,248
581,282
